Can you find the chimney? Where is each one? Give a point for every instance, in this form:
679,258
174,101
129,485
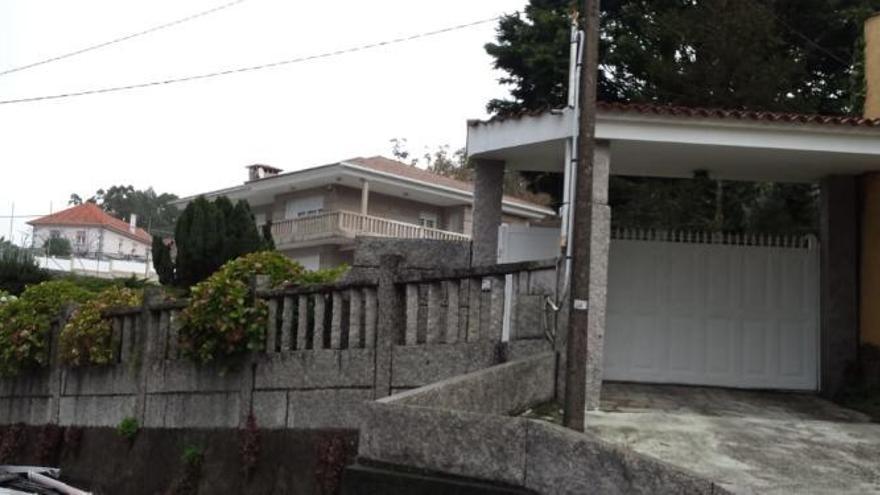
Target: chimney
259,171
872,67
132,223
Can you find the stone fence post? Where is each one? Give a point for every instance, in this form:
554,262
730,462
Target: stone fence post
390,322
145,349
249,367
56,372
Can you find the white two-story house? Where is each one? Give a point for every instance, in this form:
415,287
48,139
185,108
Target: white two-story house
316,213
92,232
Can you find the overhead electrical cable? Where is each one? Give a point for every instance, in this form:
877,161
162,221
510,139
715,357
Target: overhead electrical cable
250,68
122,39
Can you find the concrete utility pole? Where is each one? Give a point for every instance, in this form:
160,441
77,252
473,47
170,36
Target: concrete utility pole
578,321
11,221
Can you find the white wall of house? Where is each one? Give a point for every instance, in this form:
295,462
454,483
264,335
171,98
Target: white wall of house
92,240
107,268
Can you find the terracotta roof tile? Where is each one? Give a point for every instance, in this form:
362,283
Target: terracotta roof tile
716,113
91,215
394,167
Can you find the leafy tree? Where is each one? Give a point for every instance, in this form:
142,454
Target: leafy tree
207,235
58,246
785,55
154,211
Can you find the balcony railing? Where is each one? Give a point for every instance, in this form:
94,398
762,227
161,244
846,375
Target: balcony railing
348,225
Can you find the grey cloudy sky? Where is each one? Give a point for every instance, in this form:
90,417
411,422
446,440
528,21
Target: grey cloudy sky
198,136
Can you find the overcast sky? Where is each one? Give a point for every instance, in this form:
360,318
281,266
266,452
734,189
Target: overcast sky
198,136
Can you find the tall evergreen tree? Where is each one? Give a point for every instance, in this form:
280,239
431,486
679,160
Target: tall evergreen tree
162,262
207,235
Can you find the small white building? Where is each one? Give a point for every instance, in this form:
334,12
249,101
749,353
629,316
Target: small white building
92,232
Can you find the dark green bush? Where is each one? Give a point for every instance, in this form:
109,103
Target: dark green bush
18,269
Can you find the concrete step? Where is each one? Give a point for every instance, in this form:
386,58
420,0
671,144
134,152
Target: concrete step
362,479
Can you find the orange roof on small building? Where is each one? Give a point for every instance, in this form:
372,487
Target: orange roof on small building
91,215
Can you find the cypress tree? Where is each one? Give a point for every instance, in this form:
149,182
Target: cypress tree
162,262
208,234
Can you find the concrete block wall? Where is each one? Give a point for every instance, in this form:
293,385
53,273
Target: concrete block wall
298,381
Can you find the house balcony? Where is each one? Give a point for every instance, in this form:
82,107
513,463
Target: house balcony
341,227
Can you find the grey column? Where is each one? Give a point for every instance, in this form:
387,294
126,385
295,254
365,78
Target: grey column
390,324
600,245
488,193
839,267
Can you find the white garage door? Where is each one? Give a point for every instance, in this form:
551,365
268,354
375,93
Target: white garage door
706,310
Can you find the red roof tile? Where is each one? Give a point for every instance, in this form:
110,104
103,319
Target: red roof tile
91,215
394,167
716,113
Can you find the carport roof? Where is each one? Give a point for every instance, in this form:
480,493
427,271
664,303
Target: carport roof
702,112
667,141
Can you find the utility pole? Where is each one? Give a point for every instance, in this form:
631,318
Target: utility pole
579,301
11,222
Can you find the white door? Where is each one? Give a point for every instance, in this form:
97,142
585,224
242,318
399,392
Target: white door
734,314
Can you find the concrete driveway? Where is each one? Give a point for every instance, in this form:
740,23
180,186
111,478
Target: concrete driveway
750,442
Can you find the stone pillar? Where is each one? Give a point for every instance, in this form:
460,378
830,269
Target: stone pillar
488,193
839,280
600,245
390,323
146,343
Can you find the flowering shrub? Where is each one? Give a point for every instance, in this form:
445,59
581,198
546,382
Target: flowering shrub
6,297
87,337
223,320
25,321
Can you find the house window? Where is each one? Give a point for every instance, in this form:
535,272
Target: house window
120,246
304,207
54,234
428,220
80,238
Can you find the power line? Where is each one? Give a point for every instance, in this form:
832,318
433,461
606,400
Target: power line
250,68
120,40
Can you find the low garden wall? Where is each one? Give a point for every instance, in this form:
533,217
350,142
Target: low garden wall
328,350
